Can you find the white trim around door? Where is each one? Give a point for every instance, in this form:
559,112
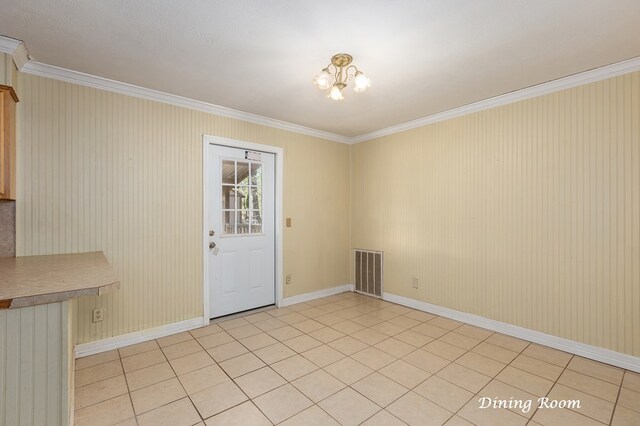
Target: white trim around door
207,170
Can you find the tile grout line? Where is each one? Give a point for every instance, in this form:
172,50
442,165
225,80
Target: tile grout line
553,385
312,372
178,377
347,386
103,380
124,374
366,310
152,365
230,378
397,358
294,386
431,374
450,361
456,413
120,358
495,378
615,405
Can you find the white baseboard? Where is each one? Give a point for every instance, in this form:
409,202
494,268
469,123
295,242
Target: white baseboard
292,300
116,342
592,352
91,348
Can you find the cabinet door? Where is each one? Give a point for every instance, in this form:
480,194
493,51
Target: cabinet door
4,169
8,101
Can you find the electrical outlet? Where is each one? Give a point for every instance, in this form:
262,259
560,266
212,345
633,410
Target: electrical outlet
414,283
288,279
98,314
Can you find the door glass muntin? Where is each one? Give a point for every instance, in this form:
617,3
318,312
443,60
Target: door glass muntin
241,198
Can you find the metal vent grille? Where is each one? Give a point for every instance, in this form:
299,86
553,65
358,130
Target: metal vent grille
369,272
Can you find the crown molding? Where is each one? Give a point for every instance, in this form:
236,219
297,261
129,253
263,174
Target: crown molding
16,49
9,45
596,74
20,56
76,77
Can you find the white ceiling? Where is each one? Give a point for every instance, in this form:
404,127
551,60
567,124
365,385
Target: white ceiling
259,56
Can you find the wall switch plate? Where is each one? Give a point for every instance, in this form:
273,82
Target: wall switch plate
288,279
98,314
288,222
414,283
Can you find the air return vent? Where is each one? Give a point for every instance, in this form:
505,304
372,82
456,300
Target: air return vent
369,272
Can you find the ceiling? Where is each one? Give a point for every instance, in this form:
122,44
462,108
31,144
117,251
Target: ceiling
257,56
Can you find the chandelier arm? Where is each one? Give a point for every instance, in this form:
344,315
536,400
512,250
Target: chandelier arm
347,71
335,72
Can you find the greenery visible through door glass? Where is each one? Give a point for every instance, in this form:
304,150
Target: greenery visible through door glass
243,222
243,197
256,198
256,222
256,174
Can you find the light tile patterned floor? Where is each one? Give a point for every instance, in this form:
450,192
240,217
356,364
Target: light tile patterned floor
346,359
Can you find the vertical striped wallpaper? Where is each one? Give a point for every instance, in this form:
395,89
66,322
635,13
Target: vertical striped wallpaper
527,213
103,171
6,69
34,365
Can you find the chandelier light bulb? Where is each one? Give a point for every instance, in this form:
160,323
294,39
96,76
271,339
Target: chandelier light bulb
361,82
323,80
336,93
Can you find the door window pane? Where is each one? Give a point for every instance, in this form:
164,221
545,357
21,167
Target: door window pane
242,172
228,172
256,174
256,198
243,222
256,222
229,197
241,197
229,222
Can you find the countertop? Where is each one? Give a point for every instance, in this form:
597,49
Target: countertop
36,280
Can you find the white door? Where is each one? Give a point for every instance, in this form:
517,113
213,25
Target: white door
240,234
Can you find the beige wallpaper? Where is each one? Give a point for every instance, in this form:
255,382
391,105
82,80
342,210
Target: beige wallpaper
527,213
6,69
35,366
103,171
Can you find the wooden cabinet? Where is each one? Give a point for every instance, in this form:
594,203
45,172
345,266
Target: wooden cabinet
8,101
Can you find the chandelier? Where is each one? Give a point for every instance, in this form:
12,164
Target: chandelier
338,73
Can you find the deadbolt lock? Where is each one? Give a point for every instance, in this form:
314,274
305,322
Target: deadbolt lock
211,233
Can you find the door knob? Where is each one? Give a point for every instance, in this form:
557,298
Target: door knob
212,245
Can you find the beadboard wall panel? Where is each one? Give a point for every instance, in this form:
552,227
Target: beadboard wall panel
35,365
103,171
527,214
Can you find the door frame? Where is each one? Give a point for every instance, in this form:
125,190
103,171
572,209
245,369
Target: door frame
207,171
